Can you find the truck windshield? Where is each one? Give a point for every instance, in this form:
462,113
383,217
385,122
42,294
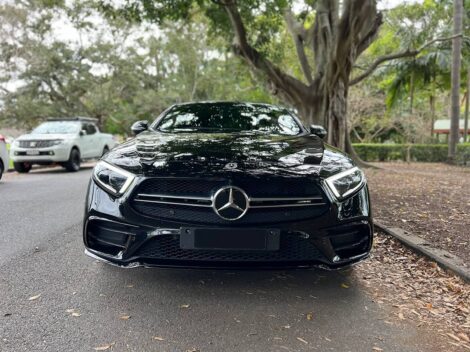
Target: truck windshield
59,127
229,117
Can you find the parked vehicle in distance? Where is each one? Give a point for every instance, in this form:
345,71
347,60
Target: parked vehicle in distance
4,162
227,184
63,141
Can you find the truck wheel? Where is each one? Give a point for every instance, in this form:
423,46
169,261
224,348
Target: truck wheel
73,164
1,169
22,168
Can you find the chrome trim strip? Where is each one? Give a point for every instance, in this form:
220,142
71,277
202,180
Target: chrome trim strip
174,203
172,196
94,217
250,201
286,205
285,199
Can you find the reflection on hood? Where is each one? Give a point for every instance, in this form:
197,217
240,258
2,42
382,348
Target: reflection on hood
183,154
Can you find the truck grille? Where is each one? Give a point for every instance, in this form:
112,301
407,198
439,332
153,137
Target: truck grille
190,200
36,144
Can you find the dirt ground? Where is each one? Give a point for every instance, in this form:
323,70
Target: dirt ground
429,200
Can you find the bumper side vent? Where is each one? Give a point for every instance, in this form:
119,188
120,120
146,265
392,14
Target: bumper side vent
108,237
355,241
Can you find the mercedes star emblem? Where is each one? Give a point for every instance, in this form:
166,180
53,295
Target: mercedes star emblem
231,166
230,203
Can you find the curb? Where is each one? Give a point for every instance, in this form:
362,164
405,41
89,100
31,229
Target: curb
443,258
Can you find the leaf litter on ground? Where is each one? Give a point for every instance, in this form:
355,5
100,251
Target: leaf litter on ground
417,289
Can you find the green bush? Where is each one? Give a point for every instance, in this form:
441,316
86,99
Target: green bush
416,152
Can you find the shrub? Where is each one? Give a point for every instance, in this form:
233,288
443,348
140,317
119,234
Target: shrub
416,152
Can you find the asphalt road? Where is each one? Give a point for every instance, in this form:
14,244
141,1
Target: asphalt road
84,304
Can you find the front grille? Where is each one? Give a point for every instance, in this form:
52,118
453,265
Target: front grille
36,144
293,248
297,187
190,200
206,215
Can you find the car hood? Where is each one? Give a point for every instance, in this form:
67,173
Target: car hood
43,137
165,154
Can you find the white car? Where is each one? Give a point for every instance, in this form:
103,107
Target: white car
65,142
3,156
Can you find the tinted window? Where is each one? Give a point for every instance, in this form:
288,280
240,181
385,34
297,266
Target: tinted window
229,117
59,127
90,128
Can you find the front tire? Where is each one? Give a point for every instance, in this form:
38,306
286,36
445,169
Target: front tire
2,168
22,168
73,164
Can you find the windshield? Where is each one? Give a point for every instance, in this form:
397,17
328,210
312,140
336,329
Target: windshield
229,117
59,127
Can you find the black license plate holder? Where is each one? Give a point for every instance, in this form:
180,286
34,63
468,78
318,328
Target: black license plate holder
230,239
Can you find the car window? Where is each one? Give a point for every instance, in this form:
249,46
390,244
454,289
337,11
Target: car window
229,117
90,128
59,127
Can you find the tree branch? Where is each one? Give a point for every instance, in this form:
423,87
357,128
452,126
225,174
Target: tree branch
291,87
406,53
298,35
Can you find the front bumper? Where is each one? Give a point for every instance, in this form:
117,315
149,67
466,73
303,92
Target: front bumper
115,233
55,154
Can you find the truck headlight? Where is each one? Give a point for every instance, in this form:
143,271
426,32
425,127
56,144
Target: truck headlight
346,183
112,179
56,142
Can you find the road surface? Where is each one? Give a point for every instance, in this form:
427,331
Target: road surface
54,298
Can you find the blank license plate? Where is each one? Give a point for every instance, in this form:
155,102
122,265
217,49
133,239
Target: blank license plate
230,239
32,152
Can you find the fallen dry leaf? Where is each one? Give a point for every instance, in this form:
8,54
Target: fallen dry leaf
125,317
344,285
185,306
464,336
158,338
310,316
75,314
104,347
33,298
302,340
376,348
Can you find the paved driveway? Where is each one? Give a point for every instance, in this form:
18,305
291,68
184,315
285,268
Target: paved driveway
84,304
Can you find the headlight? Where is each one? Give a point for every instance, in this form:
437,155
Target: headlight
346,182
56,142
112,179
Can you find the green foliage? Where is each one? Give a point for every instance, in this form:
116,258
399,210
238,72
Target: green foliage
113,81
415,152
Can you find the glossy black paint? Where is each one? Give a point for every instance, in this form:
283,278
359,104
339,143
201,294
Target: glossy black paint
258,158
318,130
139,127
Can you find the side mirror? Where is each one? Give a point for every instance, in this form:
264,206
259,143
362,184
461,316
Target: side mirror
82,133
139,127
318,130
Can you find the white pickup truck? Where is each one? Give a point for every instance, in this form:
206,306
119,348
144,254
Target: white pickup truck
66,142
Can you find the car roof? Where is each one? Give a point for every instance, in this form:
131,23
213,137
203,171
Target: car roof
78,118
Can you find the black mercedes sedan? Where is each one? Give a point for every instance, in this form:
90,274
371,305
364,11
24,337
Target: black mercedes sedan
227,184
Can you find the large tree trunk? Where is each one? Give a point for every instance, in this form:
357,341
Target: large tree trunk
337,112
340,34
455,92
